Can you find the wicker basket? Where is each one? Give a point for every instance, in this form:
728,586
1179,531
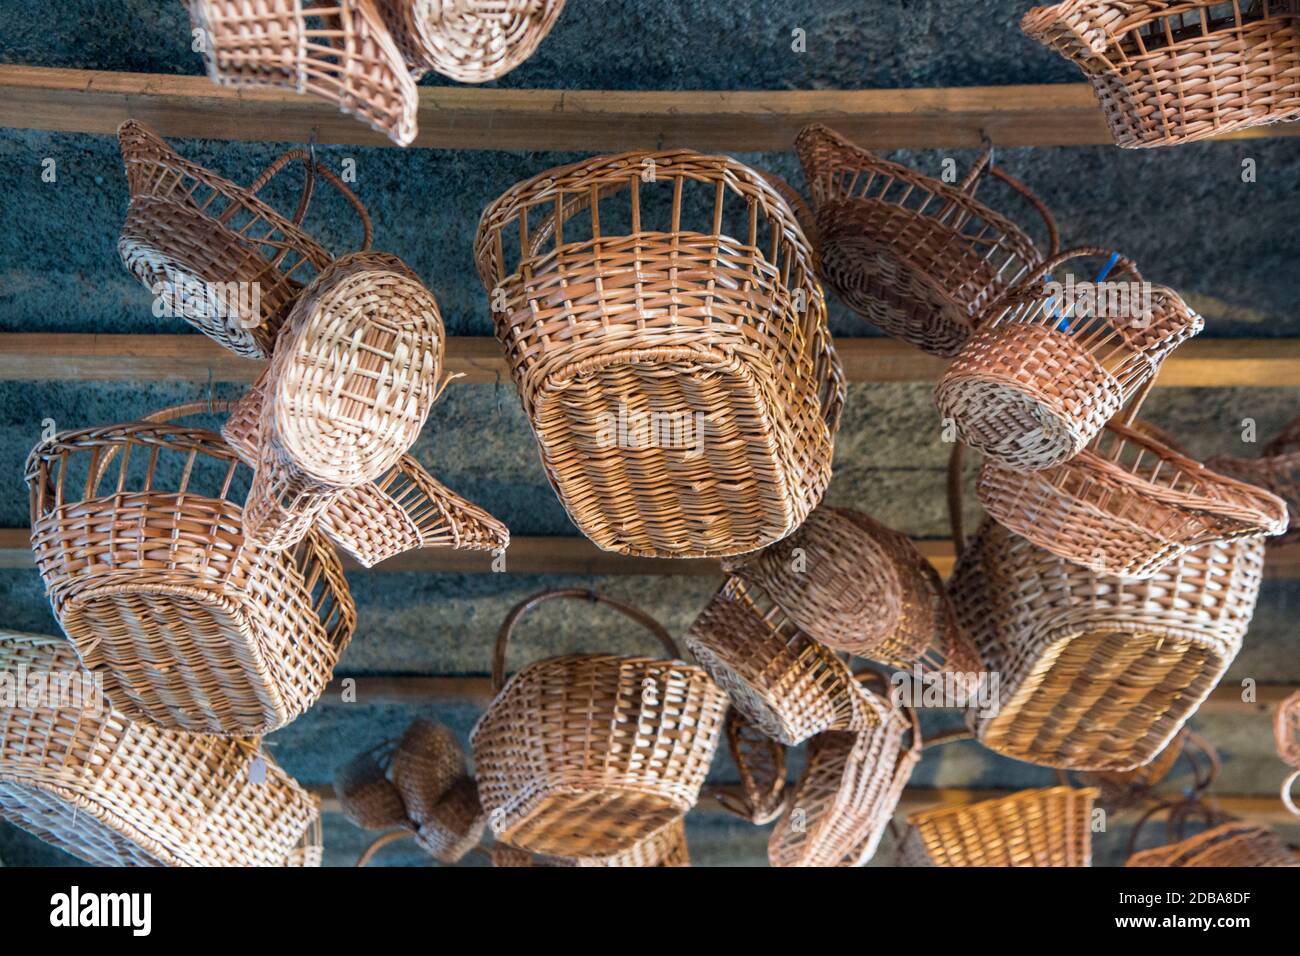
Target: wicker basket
1042,375
1051,827
1276,470
1174,71
685,399
915,257
1125,789
1127,505
790,686
1231,844
338,50
233,263
760,762
137,534
454,824
116,793
366,795
589,754
665,847
472,41
1099,673
427,762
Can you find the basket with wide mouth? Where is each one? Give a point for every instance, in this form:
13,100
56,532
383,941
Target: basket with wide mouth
1051,363
1175,71
472,41
916,257
83,777
1277,469
138,534
667,335
338,50
227,262
1230,844
587,755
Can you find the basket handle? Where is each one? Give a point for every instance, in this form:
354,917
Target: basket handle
1287,786
577,594
1053,231
164,415
382,841
313,167
1122,264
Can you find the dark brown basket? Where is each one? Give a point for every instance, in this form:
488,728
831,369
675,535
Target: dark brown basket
426,763
366,795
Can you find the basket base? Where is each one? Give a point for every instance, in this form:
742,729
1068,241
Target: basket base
585,823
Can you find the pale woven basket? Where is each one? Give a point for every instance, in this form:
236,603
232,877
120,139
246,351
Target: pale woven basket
472,41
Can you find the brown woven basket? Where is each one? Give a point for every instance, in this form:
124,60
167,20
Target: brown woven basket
1125,789
366,795
1042,375
588,754
454,824
1231,844
233,263
338,50
1174,71
760,762
1276,470
915,257
685,401
137,534
1099,673
1127,505
790,686
1051,827
665,847
472,41
427,762
112,792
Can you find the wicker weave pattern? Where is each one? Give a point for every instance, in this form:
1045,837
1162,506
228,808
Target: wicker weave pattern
366,795
665,847
1232,844
427,762
1174,71
1286,727
675,321
117,793
454,824
339,50
472,41
1276,470
1049,827
760,761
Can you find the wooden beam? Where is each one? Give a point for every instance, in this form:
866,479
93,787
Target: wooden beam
73,357
90,101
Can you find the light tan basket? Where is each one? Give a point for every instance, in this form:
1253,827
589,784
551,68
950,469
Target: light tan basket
338,50
1276,470
760,762
669,347
1125,789
472,41
1095,672
1051,827
115,793
137,534
233,264
915,257
1046,369
1174,71
1231,844
589,754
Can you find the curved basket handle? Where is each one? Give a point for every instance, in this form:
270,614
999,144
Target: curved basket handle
1287,786
162,417
1122,264
382,841
313,167
578,594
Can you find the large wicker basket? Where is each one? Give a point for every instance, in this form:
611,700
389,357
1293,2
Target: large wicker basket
1230,844
473,41
232,263
915,257
137,532
587,755
1046,370
1276,470
116,793
338,50
1174,71
1099,673
669,347
1051,827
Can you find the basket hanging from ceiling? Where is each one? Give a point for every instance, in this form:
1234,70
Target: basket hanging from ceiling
114,792
1230,844
916,257
1175,71
586,755
138,534
472,41
669,345
1276,470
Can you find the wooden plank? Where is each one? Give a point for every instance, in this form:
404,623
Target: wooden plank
89,101
72,357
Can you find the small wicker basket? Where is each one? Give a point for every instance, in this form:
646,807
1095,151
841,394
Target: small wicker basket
1174,71
454,825
116,793
915,257
1276,470
426,763
1051,827
366,795
670,349
589,754
137,534
760,762
1230,844
338,50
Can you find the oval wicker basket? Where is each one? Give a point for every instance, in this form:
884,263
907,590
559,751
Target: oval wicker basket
1230,844
1127,505
669,347
1174,71
232,263
112,792
454,825
1050,827
137,533
366,795
1047,369
915,257
1276,470
426,763
760,763
1099,673
587,755
338,50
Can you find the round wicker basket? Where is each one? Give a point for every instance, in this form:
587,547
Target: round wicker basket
665,847
472,41
366,795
